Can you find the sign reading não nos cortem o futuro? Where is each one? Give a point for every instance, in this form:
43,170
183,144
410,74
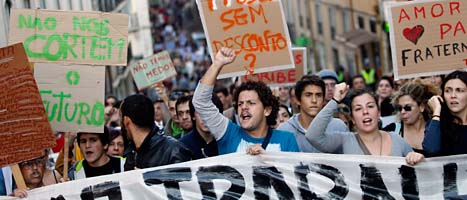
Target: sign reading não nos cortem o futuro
71,37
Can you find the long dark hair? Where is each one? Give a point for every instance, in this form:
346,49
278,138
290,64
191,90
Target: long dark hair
449,121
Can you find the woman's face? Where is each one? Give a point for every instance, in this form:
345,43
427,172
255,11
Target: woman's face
116,147
409,111
384,89
282,116
455,95
365,113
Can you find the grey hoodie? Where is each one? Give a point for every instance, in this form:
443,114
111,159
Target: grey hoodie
294,126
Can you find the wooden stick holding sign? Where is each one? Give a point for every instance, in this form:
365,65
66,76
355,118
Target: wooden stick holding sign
18,176
65,156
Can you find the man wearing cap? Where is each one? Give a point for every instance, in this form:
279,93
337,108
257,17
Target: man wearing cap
330,79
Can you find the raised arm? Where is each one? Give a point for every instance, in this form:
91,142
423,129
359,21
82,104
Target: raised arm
215,121
161,91
316,133
432,141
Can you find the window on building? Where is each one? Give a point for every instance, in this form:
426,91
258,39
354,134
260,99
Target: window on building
27,4
335,57
346,21
319,18
322,55
361,22
332,22
373,26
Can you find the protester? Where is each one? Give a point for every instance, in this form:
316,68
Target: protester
223,95
257,109
368,140
182,109
96,161
6,181
173,127
294,104
283,95
358,83
33,172
369,75
117,143
200,140
148,148
384,91
51,176
283,115
411,104
330,80
310,91
158,115
445,134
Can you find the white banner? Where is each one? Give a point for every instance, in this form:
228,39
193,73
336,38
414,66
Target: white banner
277,176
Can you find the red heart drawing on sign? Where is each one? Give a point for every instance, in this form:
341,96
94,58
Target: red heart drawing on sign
413,34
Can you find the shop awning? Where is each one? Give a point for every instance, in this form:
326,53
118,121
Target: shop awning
356,38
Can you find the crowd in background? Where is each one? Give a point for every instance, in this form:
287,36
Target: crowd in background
194,116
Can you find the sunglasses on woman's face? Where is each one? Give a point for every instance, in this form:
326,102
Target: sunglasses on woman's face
399,108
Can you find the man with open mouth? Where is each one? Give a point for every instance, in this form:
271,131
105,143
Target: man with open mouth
257,109
96,161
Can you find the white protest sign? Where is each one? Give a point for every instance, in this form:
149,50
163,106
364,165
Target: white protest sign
278,176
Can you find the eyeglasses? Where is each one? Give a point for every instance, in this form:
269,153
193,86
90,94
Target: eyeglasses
39,162
406,108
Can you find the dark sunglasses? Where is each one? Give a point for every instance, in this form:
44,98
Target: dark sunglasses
406,108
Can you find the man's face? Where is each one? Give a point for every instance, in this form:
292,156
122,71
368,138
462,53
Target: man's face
224,100
358,84
251,111
184,118
330,87
283,94
158,111
173,112
33,171
92,149
311,101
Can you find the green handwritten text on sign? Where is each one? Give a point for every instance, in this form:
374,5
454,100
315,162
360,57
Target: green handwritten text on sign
152,69
71,37
72,96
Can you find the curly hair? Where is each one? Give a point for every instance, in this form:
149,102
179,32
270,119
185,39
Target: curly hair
420,91
265,95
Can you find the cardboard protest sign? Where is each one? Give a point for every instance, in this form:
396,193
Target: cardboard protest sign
428,37
73,96
24,129
256,30
153,69
93,38
284,77
278,175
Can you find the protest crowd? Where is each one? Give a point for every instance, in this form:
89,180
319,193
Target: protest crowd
194,115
